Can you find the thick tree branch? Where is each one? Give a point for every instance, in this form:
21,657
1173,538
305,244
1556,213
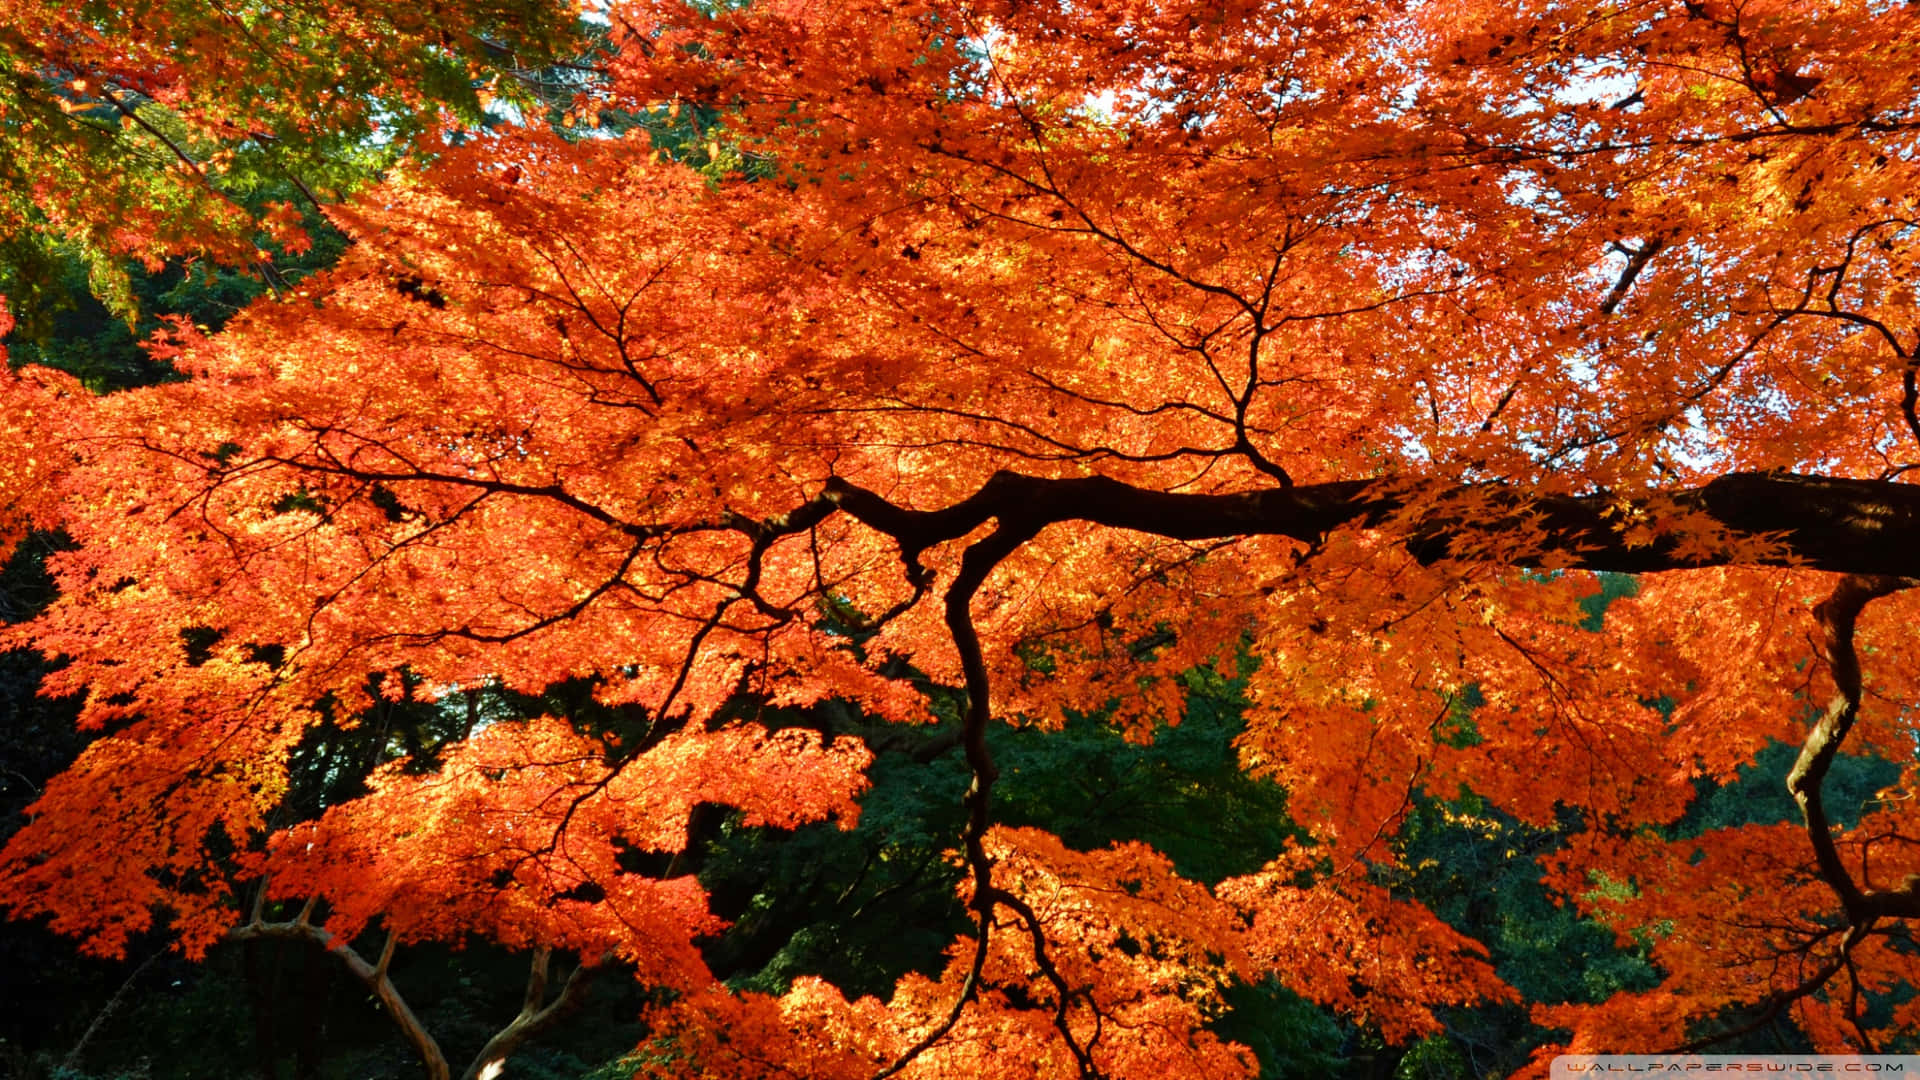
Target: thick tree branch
975,565
536,1014
375,978
1771,519
1837,615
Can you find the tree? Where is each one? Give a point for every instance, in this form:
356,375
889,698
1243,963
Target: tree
1046,354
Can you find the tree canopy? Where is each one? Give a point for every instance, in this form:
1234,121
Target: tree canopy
1018,364
160,128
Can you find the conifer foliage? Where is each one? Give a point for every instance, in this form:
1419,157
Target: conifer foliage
1035,355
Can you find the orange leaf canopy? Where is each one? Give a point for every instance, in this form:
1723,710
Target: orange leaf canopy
1052,350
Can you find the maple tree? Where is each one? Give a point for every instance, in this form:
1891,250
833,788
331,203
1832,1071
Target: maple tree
1049,353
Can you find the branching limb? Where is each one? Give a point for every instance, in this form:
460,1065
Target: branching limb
534,1016
373,976
1064,993
1862,906
1771,1008
1837,615
978,562
536,1013
969,989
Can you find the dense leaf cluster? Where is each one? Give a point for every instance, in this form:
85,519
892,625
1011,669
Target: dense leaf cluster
957,539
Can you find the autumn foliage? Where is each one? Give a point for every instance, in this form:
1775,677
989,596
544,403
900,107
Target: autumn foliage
140,130
1047,352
